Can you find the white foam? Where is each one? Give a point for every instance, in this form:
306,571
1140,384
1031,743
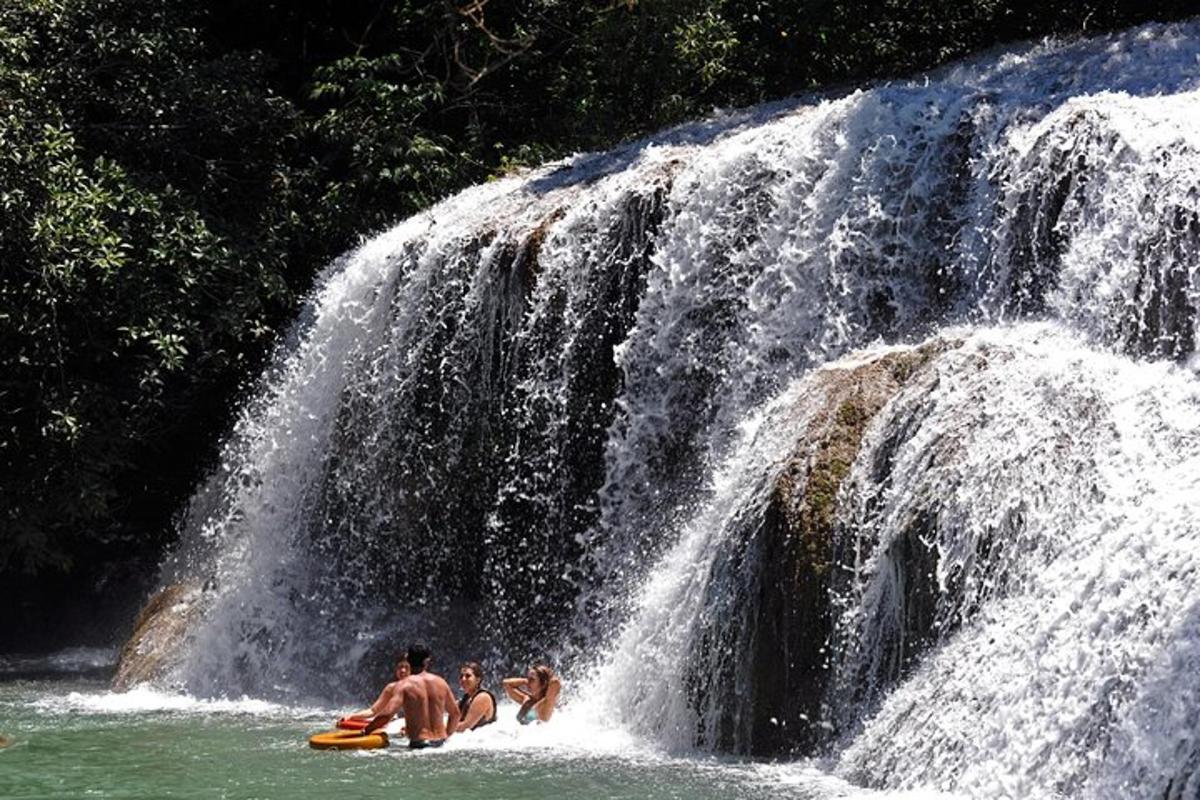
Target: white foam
1058,181
144,699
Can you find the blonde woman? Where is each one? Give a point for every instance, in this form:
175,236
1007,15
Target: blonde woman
537,693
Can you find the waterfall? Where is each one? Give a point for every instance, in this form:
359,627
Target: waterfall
860,426
1016,618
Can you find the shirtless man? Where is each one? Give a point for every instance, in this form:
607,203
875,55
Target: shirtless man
424,697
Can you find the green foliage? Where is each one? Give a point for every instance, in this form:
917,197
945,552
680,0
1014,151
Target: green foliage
132,276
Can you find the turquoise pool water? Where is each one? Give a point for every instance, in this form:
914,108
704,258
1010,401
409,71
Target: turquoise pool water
72,738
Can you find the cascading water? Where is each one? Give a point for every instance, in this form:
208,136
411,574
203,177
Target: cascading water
571,412
1047,603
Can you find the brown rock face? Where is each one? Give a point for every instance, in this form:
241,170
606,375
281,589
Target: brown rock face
794,621
157,634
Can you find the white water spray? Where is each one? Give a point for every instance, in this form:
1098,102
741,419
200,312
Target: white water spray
545,411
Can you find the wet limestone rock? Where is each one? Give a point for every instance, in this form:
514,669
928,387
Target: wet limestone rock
794,620
160,629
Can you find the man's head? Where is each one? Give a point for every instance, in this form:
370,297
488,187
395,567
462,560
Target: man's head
418,658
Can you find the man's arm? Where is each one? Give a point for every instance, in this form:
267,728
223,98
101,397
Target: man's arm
388,710
452,715
377,706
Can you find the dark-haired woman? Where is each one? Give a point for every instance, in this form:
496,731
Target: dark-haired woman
477,707
403,670
537,693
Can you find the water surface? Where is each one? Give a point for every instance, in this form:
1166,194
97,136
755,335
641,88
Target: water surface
71,737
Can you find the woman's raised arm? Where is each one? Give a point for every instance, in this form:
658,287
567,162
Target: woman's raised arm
517,689
545,706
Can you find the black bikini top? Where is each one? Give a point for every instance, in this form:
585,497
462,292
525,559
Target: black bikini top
465,703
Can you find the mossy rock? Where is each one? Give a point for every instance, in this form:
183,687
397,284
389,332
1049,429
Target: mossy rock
794,621
157,636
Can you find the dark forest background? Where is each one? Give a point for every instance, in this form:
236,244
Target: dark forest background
174,172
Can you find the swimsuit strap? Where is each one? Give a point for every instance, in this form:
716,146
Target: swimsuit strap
492,718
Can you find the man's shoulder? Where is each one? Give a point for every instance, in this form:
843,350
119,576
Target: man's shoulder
425,680
439,681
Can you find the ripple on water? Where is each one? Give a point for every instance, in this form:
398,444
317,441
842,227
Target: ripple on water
74,739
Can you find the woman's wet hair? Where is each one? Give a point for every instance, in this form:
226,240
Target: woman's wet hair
476,669
544,674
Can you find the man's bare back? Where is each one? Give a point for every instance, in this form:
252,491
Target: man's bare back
424,697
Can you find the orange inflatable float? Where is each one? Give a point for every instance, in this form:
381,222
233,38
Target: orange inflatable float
348,740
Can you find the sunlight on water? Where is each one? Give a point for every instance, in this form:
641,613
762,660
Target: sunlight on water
155,746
